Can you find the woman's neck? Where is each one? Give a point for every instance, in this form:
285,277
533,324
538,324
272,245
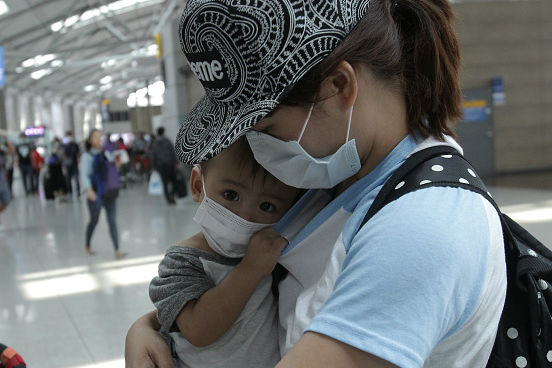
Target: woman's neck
381,126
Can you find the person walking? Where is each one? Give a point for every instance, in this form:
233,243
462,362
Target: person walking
334,96
10,156
5,192
164,161
101,182
23,150
71,152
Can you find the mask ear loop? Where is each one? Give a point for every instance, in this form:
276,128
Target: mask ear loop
349,125
305,124
202,180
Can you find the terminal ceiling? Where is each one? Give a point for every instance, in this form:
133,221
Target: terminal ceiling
83,48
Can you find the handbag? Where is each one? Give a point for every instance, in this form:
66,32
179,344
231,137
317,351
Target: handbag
155,187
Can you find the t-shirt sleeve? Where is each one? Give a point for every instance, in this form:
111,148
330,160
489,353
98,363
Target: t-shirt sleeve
181,279
412,276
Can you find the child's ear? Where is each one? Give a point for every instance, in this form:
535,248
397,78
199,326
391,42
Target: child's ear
196,183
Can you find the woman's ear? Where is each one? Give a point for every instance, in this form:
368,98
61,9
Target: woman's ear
342,84
196,184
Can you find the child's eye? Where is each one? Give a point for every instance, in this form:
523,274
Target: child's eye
267,207
230,195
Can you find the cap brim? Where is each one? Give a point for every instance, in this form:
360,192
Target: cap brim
212,126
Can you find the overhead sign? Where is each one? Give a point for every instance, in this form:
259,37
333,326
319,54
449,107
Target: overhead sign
475,111
35,131
2,74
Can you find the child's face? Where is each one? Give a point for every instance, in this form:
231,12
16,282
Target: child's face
261,199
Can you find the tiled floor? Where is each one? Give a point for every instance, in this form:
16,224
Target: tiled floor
60,308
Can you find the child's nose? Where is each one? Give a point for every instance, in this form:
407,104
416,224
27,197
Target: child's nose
248,212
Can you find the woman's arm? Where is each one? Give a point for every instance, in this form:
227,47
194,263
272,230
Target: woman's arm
205,320
144,346
316,350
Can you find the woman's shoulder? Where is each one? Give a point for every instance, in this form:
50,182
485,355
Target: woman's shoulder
441,223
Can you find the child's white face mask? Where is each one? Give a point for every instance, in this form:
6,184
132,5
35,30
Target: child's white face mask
226,233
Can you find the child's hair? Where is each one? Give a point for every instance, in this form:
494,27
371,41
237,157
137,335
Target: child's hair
244,156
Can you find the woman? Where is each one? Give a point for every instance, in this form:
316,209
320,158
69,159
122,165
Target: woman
56,178
101,183
337,94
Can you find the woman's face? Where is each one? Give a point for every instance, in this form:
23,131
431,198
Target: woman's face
96,139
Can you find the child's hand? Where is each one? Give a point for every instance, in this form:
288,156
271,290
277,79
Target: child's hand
263,252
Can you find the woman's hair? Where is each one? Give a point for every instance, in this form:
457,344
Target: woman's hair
409,43
87,144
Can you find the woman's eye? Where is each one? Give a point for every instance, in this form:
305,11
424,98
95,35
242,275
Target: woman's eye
267,207
230,195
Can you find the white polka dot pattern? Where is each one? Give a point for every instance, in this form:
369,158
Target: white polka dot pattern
512,333
515,337
247,54
521,362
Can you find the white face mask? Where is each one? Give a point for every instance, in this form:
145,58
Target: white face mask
225,232
294,166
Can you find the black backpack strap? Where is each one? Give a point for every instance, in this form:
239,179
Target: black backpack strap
411,176
444,166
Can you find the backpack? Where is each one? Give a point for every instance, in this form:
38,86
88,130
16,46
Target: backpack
105,177
524,336
71,153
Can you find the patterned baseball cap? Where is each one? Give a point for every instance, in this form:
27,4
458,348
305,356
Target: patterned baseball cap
248,54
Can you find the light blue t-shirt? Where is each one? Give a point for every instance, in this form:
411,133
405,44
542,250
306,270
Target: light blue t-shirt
417,278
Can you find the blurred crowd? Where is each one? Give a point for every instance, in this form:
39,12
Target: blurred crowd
30,167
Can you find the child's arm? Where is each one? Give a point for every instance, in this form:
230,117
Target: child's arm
203,321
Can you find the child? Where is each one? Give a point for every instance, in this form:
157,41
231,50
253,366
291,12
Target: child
217,306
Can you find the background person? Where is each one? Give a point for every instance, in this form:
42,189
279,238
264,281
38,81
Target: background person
23,150
55,183
163,160
71,153
101,183
337,95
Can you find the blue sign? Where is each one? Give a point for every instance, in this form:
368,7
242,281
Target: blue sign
2,74
475,111
497,87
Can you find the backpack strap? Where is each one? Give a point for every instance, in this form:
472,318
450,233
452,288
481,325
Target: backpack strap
444,166
429,167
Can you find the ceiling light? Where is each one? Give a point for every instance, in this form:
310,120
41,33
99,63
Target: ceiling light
106,87
57,26
106,79
43,59
28,63
156,89
40,73
131,100
70,21
108,63
89,88
57,63
3,7
38,60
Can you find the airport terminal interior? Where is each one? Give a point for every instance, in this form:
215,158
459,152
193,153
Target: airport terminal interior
116,65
